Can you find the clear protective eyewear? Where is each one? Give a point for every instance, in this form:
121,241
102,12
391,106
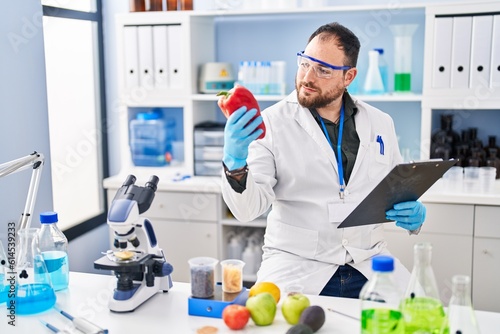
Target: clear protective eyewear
324,70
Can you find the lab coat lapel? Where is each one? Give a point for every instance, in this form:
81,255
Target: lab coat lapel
363,130
306,120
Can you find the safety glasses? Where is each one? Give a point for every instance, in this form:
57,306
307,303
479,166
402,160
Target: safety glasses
321,68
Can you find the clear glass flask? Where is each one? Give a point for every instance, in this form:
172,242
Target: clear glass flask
34,292
403,38
461,316
422,308
380,300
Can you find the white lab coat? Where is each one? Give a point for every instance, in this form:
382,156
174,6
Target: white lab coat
294,170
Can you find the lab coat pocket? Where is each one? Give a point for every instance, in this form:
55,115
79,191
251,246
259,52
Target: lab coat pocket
380,160
292,239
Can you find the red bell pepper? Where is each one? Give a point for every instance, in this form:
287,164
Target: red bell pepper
237,97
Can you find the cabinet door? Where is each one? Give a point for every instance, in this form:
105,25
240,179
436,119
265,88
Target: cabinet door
486,270
485,292
448,227
182,240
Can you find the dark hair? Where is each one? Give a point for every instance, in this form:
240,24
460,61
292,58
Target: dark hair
345,39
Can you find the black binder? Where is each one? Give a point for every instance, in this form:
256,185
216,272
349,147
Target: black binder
405,182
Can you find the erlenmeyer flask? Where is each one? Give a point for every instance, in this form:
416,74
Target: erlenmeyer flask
461,317
34,292
3,279
422,309
403,38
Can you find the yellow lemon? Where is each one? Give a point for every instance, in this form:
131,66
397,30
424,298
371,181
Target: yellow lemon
270,287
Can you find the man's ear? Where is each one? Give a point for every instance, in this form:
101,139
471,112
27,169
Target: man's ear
350,75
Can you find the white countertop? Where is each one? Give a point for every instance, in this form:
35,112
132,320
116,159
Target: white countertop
435,194
87,296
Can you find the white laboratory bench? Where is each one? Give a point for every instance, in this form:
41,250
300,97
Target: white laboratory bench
88,294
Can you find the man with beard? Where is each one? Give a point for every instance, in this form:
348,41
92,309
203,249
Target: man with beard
323,152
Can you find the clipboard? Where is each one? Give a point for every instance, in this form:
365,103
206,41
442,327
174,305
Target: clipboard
405,182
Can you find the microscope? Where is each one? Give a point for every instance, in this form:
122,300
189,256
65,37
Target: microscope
141,270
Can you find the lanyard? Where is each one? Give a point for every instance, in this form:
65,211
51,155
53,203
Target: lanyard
339,148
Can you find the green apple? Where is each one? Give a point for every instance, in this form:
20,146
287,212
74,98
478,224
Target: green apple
293,306
262,308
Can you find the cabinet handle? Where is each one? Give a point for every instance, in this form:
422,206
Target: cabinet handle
485,251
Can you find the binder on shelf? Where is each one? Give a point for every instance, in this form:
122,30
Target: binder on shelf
174,50
146,74
160,56
495,54
461,50
482,26
131,60
441,65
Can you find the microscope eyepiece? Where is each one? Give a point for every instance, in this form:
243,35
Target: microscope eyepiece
130,180
153,182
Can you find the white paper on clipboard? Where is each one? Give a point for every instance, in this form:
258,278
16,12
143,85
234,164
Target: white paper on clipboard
405,182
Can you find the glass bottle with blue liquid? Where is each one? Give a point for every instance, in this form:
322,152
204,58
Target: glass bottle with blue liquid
33,288
54,248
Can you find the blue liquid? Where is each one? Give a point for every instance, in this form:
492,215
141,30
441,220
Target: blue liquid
34,298
57,266
3,289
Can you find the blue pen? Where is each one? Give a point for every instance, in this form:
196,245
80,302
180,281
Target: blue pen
381,142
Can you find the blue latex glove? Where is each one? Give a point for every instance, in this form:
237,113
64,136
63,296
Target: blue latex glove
408,215
238,134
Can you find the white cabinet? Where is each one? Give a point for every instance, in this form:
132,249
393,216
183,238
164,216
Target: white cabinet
486,272
449,228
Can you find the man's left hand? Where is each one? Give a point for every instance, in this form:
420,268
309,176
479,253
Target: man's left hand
408,215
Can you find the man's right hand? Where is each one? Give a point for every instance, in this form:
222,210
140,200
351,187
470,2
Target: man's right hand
238,134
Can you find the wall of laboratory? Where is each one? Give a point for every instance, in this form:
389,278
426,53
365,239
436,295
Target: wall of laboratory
24,126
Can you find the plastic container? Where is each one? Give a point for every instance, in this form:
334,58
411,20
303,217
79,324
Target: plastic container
151,139
232,275
373,81
403,39
202,276
383,68
380,300
53,245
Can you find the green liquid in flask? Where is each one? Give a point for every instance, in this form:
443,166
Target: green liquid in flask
423,315
381,321
402,82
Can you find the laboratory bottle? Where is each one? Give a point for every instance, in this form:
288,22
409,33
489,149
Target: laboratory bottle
380,300
54,248
234,248
34,292
373,81
403,40
461,318
248,257
422,309
383,68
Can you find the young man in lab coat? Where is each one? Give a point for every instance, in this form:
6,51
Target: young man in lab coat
294,170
